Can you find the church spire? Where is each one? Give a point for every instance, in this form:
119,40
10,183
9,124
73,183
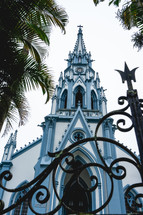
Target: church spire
78,85
10,147
79,45
79,56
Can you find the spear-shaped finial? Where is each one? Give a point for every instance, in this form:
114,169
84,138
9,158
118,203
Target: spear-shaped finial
128,75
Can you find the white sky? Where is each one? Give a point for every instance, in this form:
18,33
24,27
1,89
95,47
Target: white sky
110,46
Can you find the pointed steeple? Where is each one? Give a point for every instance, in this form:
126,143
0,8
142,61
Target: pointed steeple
60,80
12,139
79,45
97,80
78,86
79,55
10,147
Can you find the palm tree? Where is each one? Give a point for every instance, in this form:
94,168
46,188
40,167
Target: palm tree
23,25
130,15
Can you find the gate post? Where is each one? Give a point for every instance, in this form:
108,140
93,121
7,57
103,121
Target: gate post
135,106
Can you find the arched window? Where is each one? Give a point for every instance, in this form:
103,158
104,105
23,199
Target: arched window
79,96
76,195
64,100
93,101
21,209
79,59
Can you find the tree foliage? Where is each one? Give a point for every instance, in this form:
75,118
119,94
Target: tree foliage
24,27
130,15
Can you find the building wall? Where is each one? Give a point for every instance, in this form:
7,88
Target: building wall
22,170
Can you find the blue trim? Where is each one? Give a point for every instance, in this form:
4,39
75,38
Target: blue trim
93,97
82,90
53,137
76,129
76,79
78,115
44,139
48,136
88,95
5,165
14,196
63,99
23,150
55,198
78,157
109,153
69,100
134,191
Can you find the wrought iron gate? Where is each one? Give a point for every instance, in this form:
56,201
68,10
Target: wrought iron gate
115,170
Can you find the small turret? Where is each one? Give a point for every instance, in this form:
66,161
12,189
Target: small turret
97,80
54,100
103,101
61,80
10,147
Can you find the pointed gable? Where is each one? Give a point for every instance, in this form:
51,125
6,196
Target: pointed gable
79,124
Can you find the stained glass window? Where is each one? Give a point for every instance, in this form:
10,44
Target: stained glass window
21,209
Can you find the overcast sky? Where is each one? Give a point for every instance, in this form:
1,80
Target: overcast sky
110,46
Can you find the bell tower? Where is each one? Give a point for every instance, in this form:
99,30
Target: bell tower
78,104
80,85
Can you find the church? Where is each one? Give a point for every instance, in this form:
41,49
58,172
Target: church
78,104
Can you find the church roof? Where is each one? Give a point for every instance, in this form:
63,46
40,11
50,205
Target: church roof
27,147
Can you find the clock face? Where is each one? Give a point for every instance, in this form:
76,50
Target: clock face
79,70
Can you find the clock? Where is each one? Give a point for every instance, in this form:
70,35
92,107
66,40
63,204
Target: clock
79,70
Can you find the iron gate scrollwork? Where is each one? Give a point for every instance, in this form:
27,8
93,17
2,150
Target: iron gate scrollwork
115,170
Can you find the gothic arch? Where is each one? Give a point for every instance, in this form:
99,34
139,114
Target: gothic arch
79,97
22,208
82,157
93,100
76,195
63,104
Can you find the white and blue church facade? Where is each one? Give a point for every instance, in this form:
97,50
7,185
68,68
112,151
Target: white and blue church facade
78,103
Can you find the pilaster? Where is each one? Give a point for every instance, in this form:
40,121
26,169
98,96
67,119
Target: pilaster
69,99
88,94
4,166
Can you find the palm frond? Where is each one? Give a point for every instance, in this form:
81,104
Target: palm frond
36,75
137,39
18,111
25,26
54,13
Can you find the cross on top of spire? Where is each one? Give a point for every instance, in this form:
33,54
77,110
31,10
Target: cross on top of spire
80,28
80,46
